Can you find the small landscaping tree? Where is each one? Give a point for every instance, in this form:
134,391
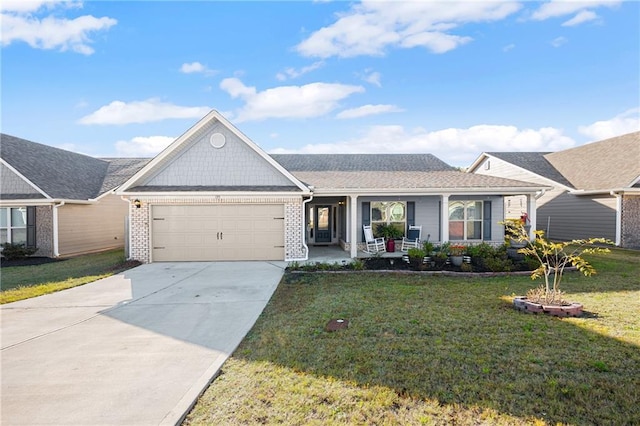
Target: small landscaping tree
553,258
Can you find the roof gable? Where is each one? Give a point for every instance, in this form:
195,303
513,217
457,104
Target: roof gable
609,164
58,173
15,186
535,162
212,156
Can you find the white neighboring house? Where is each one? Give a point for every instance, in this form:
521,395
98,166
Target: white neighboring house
596,188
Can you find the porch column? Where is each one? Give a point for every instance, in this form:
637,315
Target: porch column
444,216
353,225
531,211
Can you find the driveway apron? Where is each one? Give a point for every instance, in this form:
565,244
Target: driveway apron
133,349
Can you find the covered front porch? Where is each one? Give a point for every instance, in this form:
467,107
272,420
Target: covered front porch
333,224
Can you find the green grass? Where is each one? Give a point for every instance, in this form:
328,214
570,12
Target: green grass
436,350
23,282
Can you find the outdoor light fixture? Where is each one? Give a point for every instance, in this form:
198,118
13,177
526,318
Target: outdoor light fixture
137,203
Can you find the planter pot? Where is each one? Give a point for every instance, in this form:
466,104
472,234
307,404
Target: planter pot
391,245
517,244
456,260
521,303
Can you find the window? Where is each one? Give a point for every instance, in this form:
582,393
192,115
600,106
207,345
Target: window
13,225
465,220
389,213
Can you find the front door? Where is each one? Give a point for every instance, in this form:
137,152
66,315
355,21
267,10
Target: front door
323,224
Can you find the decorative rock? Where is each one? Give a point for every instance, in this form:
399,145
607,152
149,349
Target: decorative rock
571,310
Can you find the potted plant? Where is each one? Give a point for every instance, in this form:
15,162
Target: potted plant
553,258
456,253
390,232
417,258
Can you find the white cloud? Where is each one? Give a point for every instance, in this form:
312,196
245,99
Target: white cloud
627,122
582,17
49,32
582,11
372,27
373,78
458,147
366,110
508,47
293,73
143,146
118,112
28,6
196,67
559,41
310,100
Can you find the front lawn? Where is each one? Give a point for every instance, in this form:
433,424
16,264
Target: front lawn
436,350
23,282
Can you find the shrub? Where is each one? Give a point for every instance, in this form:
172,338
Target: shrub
12,251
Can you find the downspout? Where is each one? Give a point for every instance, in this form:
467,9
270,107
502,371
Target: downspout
56,251
304,227
128,225
618,196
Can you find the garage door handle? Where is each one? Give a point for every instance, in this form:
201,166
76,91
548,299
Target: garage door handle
279,218
158,248
158,218
219,235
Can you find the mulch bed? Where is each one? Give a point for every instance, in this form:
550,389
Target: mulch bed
28,261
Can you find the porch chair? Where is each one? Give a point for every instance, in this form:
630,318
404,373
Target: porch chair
413,238
374,245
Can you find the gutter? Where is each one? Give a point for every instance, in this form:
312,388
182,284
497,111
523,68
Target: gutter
128,200
56,251
618,196
304,228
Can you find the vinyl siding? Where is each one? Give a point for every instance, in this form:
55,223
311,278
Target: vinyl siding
428,213
568,217
87,228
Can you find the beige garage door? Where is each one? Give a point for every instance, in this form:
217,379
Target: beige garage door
220,232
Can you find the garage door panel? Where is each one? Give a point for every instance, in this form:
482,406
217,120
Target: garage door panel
218,232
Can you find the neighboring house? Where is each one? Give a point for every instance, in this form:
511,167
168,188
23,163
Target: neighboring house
213,194
61,202
596,188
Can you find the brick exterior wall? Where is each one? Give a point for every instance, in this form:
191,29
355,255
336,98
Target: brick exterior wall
630,223
140,230
44,231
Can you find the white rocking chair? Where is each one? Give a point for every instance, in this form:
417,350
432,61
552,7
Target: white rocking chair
413,238
374,245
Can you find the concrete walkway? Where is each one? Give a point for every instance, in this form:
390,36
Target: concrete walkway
133,349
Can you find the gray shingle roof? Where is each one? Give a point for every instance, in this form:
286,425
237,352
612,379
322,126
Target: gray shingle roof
360,162
535,162
410,180
65,174
608,164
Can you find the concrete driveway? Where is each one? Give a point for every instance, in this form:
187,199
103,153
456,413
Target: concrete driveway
133,349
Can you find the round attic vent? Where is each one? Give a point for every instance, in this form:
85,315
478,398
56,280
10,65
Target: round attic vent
217,140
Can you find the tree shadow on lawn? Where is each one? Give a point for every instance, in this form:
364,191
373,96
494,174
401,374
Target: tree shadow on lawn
450,341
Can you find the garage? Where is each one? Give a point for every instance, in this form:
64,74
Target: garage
217,232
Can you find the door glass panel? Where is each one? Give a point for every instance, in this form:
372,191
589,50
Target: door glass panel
4,236
3,218
323,218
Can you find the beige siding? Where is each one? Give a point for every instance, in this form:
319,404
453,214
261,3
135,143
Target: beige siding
569,217
87,228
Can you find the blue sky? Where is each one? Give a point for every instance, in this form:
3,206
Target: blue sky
119,78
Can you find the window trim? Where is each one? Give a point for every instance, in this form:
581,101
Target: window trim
388,207
9,226
465,220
